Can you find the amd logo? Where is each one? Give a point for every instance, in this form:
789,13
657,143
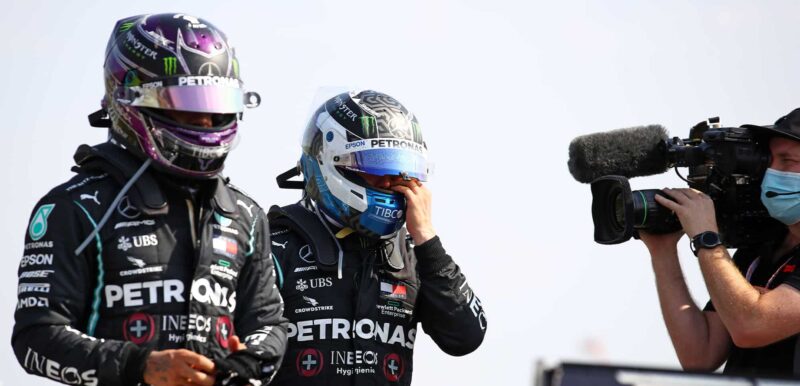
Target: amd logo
33,301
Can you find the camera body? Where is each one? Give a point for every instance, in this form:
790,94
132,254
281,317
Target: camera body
726,163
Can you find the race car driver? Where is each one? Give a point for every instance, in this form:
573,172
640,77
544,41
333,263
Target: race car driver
355,280
148,265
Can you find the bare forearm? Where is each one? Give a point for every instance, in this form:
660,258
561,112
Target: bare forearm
686,323
734,298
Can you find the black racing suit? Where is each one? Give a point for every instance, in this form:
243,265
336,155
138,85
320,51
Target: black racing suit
187,277
360,329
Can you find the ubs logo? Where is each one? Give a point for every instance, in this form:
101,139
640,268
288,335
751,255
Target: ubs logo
318,282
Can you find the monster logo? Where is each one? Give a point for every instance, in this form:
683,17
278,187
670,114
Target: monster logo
170,65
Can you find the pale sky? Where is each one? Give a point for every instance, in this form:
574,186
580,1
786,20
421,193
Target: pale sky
499,87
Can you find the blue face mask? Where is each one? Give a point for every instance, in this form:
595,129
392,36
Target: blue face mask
786,208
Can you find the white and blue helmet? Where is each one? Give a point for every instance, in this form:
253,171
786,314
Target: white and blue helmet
368,132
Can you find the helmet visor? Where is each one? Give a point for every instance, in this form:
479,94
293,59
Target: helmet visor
202,99
381,162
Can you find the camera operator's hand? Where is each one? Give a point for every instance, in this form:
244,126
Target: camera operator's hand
694,209
178,367
418,209
659,244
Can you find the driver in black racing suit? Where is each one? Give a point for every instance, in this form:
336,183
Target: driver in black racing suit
356,282
136,273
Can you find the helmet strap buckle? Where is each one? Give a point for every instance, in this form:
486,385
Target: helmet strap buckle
99,118
284,179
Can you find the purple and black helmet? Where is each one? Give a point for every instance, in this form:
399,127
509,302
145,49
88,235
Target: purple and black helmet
174,62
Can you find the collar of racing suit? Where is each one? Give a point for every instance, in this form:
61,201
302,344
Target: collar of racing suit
146,194
327,250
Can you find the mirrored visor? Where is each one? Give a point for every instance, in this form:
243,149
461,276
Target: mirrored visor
202,99
381,162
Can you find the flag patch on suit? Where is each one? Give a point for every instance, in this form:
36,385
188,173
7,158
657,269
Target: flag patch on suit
225,246
393,290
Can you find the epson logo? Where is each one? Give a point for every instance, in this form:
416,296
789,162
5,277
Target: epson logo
336,328
38,363
355,144
135,294
36,259
217,295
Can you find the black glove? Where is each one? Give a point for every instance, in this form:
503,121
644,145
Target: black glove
242,368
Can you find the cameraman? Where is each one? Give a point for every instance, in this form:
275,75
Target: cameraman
753,318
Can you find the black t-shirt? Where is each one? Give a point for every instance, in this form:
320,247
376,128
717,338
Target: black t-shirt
776,359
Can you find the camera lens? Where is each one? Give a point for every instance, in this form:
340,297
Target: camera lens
649,215
643,202
611,210
619,211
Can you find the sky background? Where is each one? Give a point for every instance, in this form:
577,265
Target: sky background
499,87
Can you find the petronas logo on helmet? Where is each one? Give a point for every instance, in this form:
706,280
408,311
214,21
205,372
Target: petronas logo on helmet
170,65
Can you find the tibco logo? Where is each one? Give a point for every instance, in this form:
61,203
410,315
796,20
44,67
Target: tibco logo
389,213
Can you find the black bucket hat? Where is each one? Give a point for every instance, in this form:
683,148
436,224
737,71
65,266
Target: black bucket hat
786,126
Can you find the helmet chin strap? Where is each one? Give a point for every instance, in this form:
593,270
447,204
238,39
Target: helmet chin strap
322,217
